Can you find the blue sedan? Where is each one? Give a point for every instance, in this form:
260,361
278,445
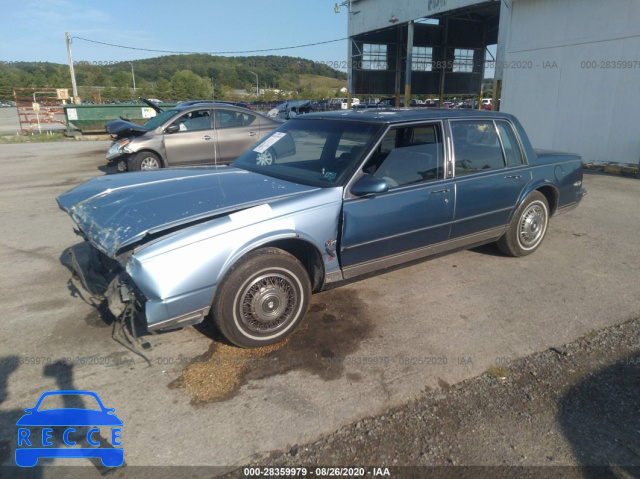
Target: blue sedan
324,198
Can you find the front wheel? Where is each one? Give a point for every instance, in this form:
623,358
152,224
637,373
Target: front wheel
144,161
527,228
262,299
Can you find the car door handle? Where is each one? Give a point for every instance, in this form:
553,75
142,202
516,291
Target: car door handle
514,177
206,137
446,190
252,133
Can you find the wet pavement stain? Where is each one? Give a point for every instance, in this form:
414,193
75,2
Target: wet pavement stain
67,182
47,305
334,327
100,317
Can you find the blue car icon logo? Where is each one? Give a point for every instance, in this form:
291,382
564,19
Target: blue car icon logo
41,427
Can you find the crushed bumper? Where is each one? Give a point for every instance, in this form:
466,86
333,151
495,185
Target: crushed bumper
105,279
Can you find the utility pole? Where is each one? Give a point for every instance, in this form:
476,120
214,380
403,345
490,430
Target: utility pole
73,74
133,75
257,88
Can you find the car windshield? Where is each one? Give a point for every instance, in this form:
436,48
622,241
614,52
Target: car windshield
160,118
315,152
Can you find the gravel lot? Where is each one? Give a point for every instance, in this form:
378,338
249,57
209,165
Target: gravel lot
570,411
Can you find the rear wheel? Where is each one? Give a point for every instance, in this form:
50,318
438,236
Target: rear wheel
262,299
528,226
144,161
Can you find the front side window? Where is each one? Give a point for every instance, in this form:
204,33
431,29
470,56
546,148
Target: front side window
476,147
194,121
374,56
408,155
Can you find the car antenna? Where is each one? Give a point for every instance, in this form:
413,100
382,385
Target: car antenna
215,132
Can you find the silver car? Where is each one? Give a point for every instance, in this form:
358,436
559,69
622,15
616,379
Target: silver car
192,134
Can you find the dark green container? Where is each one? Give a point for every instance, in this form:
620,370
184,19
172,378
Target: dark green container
91,118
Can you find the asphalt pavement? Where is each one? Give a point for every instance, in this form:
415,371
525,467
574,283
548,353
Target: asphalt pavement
362,349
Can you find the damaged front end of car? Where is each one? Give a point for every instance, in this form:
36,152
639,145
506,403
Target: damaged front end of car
158,242
105,279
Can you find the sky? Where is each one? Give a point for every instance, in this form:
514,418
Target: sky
34,30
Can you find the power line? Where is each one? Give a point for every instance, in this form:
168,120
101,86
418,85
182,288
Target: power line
210,53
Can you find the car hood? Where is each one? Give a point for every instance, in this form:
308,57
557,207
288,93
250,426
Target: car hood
116,211
120,127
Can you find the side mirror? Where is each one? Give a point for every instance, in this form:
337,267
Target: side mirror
172,128
368,185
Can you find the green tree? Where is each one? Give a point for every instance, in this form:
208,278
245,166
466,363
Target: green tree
186,85
145,89
162,90
123,80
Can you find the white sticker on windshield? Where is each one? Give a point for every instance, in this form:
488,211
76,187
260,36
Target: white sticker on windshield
272,140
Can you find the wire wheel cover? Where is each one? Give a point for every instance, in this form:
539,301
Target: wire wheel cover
268,303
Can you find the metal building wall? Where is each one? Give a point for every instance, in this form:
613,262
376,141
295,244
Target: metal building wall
563,81
370,15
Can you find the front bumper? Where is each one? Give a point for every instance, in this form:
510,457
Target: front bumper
105,279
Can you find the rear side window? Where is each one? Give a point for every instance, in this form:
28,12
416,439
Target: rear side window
510,144
476,147
232,118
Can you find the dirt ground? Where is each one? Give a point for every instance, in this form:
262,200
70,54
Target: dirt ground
572,411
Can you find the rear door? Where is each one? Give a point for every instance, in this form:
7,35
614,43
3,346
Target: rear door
489,177
192,143
236,131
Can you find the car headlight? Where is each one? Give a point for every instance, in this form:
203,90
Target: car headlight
118,148
122,143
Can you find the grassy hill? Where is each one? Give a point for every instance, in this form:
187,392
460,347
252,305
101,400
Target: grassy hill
175,77
317,82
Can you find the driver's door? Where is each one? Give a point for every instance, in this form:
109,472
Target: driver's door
417,211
